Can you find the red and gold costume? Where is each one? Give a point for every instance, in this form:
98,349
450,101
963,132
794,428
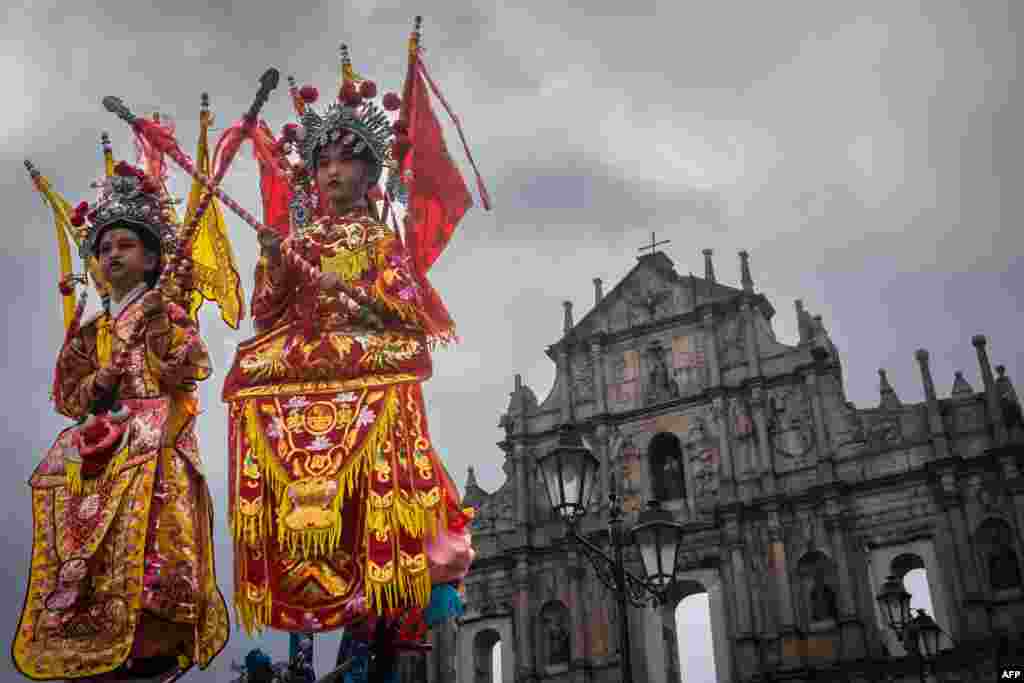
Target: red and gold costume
340,506
336,488
122,560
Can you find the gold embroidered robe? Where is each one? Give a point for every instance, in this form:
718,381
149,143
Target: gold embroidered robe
122,563
336,491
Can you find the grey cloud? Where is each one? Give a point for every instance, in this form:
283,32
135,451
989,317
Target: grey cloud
867,156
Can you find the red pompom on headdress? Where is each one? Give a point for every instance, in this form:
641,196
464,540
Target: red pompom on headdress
126,170
290,132
309,94
392,102
350,95
78,215
368,89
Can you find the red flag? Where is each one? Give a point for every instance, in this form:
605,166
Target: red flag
438,197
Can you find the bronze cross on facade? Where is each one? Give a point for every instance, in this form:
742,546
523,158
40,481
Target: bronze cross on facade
654,244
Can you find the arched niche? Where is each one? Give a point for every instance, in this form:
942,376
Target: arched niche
554,637
996,545
818,590
665,463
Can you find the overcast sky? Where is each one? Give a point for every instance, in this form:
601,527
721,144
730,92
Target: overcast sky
866,154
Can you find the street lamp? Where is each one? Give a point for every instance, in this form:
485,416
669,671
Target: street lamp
927,633
895,602
569,474
920,634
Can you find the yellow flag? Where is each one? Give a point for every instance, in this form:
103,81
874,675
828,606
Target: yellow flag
214,272
62,224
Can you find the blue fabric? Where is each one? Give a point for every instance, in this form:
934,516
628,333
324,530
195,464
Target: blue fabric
445,603
256,659
360,671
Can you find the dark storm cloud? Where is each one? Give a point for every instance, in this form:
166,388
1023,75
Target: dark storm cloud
867,155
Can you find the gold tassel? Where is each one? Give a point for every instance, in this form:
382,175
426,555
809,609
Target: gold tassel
115,465
104,340
73,472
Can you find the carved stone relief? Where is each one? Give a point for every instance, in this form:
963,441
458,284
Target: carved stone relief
659,385
790,425
702,448
732,341
688,363
583,376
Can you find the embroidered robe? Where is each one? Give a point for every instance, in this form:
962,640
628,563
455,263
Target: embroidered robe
122,561
338,499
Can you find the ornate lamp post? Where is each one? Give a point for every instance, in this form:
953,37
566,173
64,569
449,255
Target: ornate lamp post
920,634
895,603
569,474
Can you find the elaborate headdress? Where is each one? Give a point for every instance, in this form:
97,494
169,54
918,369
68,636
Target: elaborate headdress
362,125
354,120
129,197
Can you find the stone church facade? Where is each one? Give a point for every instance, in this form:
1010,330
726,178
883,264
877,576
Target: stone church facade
796,504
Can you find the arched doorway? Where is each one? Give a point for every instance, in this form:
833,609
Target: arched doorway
487,657
694,647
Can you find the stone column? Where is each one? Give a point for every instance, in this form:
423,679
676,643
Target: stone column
523,626
711,348
673,667
995,411
779,592
739,594
719,630
600,379
753,351
935,426
961,572
565,384
779,567
581,614
759,406
602,451
851,629
726,470
521,459
826,466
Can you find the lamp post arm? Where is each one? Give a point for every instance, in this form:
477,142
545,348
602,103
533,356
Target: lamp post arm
615,578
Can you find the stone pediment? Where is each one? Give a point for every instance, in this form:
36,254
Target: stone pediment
650,292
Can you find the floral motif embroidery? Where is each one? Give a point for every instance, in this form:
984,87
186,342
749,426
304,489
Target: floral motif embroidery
366,417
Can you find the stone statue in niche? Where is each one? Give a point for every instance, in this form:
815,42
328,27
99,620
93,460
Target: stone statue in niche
556,634
1003,569
823,600
660,386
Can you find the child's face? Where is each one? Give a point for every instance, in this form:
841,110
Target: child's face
124,258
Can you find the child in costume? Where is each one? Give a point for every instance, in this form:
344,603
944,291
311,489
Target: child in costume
342,510
122,582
